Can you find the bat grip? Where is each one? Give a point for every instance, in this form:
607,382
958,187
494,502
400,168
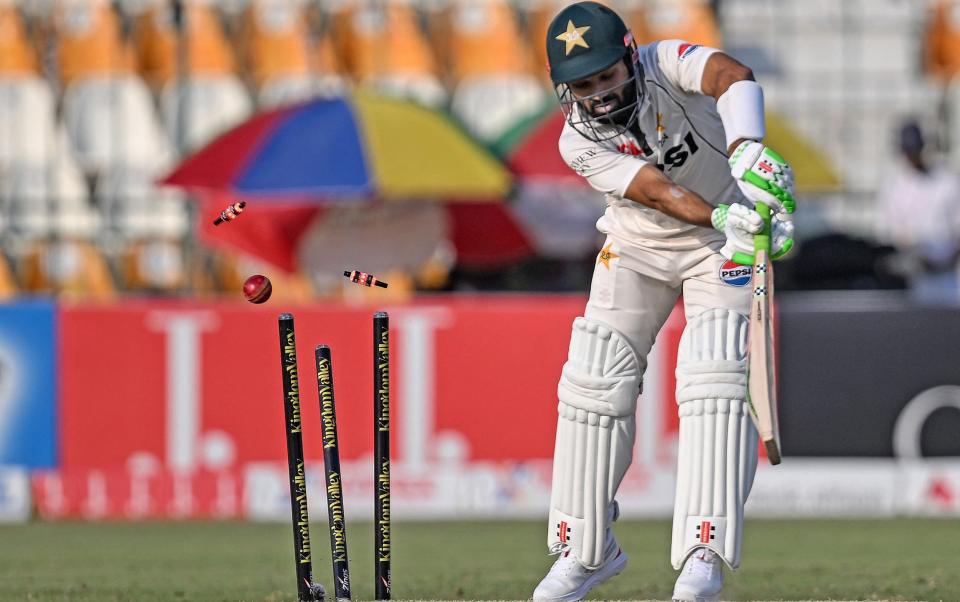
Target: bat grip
761,241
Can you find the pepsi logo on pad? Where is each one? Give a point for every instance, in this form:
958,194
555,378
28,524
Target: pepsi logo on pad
735,274
686,50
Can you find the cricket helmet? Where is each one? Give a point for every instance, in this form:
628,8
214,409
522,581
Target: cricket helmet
584,39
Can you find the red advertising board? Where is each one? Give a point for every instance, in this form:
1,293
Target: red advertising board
133,374
196,387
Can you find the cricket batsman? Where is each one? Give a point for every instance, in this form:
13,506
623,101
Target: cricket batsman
673,134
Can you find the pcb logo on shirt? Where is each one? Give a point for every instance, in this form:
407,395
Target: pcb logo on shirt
734,274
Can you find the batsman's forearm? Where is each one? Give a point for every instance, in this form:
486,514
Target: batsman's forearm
651,188
684,205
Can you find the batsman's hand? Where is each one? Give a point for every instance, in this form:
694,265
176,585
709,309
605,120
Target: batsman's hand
763,176
740,223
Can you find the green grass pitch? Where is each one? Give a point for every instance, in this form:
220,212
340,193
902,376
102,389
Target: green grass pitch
227,561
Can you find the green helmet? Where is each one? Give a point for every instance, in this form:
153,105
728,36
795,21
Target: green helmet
583,39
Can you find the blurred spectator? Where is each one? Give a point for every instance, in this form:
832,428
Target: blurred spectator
919,214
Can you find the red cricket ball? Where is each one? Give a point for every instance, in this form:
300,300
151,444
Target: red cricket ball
257,288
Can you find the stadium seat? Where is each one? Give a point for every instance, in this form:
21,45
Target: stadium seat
690,20
112,120
40,184
17,56
27,120
326,78
72,268
8,281
136,209
274,41
489,66
154,265
203,106
481,38
88,41
286,90
384,48
942,39
48,198
208,50
229,270
490,104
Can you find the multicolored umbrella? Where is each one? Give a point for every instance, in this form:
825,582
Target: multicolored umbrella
290,163
348,150
557,208
530,149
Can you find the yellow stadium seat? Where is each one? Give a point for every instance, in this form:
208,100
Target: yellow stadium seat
942,40
482,38
690,20
89,41
17,56
377,38
489,66
230,270
325,60
384,47
275,40
155,265
156,38
8,283
69,268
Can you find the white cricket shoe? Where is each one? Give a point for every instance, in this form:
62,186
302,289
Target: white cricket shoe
568,580
700,579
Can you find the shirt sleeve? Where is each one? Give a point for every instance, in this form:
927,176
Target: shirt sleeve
605,169
682,63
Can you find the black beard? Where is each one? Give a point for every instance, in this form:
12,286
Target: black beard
623,114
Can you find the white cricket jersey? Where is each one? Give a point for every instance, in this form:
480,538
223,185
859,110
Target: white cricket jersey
684,137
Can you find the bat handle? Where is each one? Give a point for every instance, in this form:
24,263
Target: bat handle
761,241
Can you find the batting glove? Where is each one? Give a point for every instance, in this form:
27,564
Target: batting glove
739,223
763,176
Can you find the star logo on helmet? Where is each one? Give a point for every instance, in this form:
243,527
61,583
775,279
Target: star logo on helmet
573,36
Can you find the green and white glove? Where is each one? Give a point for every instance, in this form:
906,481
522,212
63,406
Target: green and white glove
763,176
739,223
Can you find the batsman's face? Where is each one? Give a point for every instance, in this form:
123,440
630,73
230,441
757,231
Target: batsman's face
604,93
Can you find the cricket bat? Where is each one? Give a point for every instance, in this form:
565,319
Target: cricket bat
761,360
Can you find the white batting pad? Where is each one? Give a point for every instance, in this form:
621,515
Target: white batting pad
718,443
595,431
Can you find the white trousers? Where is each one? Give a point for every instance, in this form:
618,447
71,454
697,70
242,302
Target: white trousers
634,289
